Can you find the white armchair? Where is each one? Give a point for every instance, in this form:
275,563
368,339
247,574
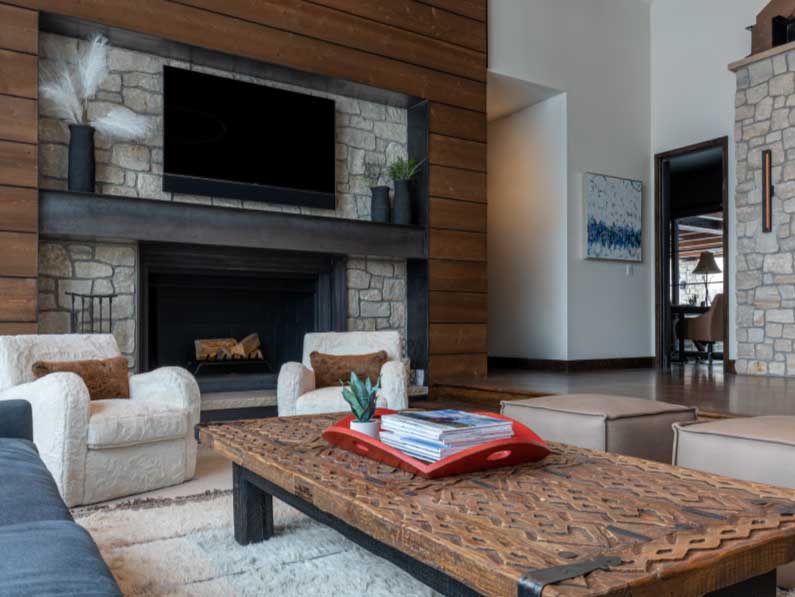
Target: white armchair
296,392
103,449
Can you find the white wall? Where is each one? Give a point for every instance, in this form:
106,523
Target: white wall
597,52
692,44
526,232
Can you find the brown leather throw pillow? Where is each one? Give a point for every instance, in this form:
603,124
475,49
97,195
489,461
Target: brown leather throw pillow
104,378
330,369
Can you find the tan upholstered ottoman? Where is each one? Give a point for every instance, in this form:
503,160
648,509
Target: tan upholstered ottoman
631,426
760,449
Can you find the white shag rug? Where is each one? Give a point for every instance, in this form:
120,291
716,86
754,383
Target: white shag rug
185,546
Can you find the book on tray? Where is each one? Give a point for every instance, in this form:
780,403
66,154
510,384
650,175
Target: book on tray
437,434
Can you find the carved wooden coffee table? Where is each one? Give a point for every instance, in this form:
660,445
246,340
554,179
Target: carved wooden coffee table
579,523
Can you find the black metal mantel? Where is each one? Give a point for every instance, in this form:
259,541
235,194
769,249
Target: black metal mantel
89,215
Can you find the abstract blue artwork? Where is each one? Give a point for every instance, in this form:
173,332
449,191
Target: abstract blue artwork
613,218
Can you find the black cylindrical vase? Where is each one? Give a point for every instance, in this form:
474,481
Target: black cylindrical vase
379,204
81,158
401,210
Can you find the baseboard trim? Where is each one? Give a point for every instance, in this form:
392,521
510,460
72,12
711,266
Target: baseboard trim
571,366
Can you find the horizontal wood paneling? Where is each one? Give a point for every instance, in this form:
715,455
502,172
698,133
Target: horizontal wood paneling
13,329
239,37
18,252
306,18
18,119
457,276
442,367
18,302
457,338
18,164
474,9
457,184
455,122
458,153
419,18
458,307
458,215
19,29
19,209
18,74
461,246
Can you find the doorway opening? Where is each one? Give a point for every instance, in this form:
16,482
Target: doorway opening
692,257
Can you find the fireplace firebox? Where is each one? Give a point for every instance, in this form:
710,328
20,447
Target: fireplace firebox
199,292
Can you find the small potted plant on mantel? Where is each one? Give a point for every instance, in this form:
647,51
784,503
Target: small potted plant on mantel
403,172
361,396
379,202
67,87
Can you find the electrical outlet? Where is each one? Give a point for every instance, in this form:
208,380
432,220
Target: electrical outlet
630,270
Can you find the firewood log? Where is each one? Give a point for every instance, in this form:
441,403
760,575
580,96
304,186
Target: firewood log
207,349
250,343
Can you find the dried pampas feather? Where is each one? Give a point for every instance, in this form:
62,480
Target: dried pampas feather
69,87
122,123
92,65
59,89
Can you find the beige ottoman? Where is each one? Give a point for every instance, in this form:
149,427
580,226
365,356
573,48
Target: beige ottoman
631,426
760,449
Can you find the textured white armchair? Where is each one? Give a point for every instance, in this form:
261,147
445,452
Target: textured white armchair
296,392
103,449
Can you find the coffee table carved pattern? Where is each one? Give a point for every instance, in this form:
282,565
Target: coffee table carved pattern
654,529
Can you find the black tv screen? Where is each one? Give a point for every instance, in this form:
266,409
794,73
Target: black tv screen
227,138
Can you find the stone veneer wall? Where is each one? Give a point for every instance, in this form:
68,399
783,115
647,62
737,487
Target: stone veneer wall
88,267
365,132
376,294
765,282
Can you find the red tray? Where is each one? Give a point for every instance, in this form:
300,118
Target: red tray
524,446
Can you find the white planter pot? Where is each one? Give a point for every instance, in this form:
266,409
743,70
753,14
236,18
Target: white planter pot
370,428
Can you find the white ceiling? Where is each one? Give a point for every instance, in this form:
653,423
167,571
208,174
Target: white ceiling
506,95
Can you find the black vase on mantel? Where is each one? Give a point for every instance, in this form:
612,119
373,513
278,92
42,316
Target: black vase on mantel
81,158
379,204
401,209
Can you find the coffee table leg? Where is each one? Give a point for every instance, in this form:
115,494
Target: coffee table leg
253,509
760,586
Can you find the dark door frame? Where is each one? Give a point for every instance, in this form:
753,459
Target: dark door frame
660,236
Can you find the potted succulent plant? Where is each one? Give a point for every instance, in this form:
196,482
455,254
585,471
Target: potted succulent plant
379,202
361,396
68,86
402,173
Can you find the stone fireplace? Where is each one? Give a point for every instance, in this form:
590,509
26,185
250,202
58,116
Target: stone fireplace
765,280
168,294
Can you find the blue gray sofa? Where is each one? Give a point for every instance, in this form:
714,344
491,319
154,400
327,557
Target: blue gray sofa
44,551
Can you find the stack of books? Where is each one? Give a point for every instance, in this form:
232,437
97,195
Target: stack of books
437,434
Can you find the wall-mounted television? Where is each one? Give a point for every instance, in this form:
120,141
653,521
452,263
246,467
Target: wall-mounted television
228,138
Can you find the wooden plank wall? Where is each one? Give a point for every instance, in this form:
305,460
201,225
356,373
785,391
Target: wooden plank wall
431,49
18,169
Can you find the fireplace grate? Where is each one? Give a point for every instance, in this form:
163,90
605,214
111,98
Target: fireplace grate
91,313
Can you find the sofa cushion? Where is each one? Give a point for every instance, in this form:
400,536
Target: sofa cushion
52,558
620,424
330,369
326,400
117,423
27,492
104,378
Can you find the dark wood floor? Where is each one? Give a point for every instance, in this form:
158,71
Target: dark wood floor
692,385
